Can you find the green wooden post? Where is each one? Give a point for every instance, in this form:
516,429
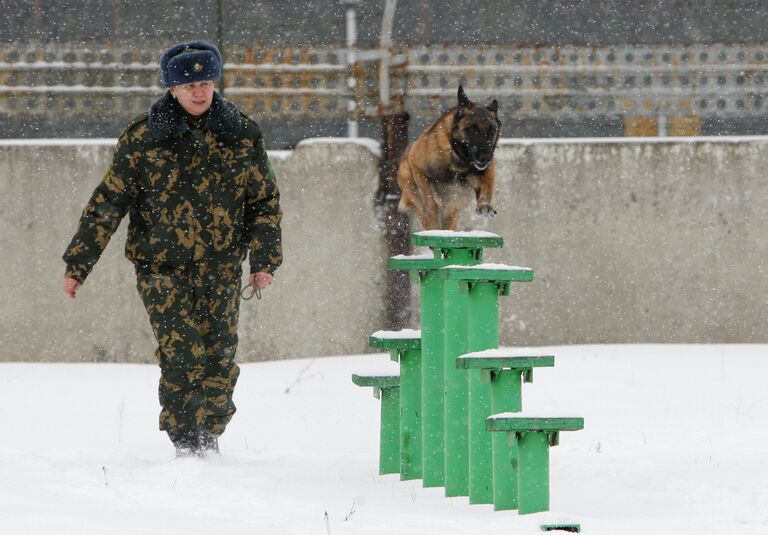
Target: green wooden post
448,248
506,368
389,440
386,387
410,411
532,437
405,348
435,294
484,284
456,391
533,475
506,396
432,299
432,313
483,334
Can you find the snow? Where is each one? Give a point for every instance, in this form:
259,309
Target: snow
490,266
427,255
402,333
674,443
529,415
378,368
279,154
457,234
502,352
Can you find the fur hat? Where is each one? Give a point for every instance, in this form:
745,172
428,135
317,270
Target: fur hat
194,61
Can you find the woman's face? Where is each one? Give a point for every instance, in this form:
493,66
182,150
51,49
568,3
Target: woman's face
196,97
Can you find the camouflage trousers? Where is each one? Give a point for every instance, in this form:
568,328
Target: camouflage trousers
194,315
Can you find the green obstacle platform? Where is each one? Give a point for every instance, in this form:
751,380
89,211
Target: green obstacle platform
458,390
504,370
386,387
405,347
482,284
533,436
447,248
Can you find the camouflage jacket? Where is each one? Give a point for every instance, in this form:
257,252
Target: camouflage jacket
194,195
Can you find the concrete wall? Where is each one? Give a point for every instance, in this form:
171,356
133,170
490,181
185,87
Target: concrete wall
631,241
636,241
326,298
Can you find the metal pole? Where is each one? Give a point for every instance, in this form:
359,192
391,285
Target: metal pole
385,45
351,18
220,41
396,224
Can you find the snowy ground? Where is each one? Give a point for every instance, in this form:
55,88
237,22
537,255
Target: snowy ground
675,442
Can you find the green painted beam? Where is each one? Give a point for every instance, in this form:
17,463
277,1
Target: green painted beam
483,329
455,342
488,273
532,471
487,361
377,380
446,239
432,381
410,414
389,435
517,422
415,263
506,396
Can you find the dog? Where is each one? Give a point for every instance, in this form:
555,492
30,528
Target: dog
448,162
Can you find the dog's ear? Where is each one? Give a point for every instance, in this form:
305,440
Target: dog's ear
463,100
494,107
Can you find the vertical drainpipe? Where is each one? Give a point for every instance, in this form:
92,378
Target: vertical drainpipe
220,42
394,124
351,26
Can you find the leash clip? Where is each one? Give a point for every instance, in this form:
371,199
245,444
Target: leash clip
254,292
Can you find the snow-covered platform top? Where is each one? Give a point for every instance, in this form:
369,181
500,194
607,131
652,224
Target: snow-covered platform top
382,372
505,358
487,272
402,333
528,415
530,421
489,266
456,234
416,262
506,353
401,340
450,239
376,379
428,255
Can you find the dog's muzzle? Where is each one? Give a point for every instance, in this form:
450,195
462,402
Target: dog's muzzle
481,166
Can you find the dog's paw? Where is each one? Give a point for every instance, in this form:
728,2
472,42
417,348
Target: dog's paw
486,210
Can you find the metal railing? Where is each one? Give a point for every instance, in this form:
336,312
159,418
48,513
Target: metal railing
568,81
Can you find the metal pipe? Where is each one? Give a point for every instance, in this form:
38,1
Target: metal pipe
385,44
351,27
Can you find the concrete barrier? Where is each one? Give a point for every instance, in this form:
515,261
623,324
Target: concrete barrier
631,241
325,300
635,240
